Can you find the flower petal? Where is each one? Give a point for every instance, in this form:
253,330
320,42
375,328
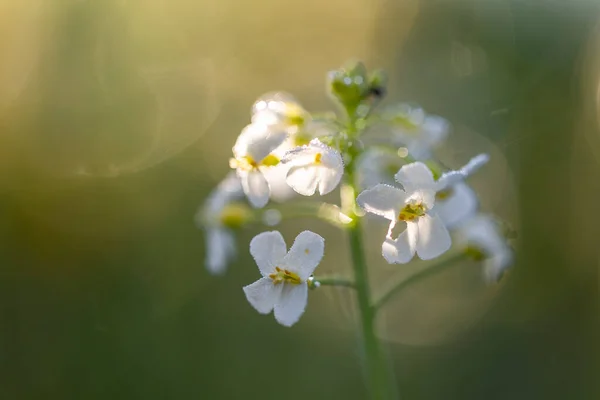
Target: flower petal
483,232
258,141
329,178
306,253
453,177
291,304
434,238
415,176
496,265
460,205
255,187
268,250
383,200
401,250
314,166
263,295
220,249
303,179
276,176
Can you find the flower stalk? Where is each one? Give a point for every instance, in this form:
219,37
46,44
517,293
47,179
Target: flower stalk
376,367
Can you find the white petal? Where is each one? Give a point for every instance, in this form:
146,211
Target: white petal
306,253
375,166
220,249
426,196
329,178
482,231
227,190
307,174
401,250
268,250
255,186
458,207
303,179
434,238
276,178
292,304
258,141
266,117
278,102
263,295
453,177
496,265
415,176
383,200
434,129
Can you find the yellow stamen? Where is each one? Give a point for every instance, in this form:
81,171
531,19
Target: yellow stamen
412,211
285,276
318,157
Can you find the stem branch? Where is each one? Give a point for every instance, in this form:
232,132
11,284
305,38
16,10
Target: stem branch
396,287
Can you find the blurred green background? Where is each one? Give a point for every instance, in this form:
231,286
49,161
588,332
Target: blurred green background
117,118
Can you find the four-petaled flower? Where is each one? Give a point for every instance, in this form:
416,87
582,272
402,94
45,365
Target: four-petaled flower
412,128
252,154
455,201
425,231
483,240
313,167
283,287
220,242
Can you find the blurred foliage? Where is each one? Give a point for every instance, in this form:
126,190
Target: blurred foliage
117,118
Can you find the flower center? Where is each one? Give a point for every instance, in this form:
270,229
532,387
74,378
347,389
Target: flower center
412,211
247,163
235,215
318,157
294,115
444,194
475,253
283,275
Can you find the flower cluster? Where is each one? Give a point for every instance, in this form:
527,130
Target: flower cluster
385,157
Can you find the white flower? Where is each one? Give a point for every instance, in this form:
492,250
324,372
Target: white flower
283,287
455,200
416,130
280,108
314,166
456,204
252,152
220,241
482,236
425,231
377,166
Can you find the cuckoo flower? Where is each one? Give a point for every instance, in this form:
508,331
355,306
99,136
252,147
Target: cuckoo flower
252,154
416,130
455,200
481,235
283,286
425,231
314,167
377,166
218,216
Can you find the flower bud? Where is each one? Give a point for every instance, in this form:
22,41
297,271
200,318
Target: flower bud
349,85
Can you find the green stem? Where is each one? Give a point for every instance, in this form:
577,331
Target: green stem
377,369
334,281
438,266
323,211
